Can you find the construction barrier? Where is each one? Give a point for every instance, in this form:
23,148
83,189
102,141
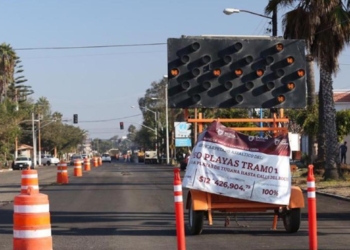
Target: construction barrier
64,172
312,213
99,161
31,219
87,164
179,211
78,172
95,162
29,180
59,173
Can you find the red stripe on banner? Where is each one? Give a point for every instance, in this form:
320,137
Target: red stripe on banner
228,137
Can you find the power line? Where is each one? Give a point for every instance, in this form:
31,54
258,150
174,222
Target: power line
94,46
108,120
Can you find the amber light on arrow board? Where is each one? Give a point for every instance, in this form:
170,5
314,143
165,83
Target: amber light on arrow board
259,72
174,72
281,98
279,46
290,60
216,72
238,72
301,72
291,85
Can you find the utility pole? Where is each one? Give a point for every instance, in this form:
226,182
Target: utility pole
34,141
156,133
39,140
274,22
166,121
16,139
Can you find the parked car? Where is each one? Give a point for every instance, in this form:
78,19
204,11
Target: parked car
76,157
48,160
22,162
106,158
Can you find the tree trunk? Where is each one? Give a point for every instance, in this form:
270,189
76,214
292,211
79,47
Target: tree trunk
310,81
332,153
320,136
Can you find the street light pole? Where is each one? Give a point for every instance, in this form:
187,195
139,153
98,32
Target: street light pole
166,119
229,11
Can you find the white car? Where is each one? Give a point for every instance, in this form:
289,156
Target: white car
106,158
48,160
22,162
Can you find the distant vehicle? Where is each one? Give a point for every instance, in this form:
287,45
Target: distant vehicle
106,158
114,153
49,159
76,157
84,156
22,162
150,157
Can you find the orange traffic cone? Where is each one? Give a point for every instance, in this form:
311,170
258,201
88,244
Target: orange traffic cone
29,180
95,162
64,172
31,219
59,173
77,168
87,164
99,161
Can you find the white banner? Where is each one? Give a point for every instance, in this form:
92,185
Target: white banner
232,164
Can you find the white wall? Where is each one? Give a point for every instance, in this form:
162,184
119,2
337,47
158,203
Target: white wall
342,105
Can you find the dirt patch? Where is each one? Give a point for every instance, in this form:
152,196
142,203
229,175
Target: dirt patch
339,188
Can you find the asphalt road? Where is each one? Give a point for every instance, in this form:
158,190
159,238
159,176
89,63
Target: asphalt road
131,206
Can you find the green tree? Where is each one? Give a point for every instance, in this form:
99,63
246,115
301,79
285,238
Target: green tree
7,66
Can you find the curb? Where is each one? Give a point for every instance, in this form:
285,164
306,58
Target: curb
330,195
6,170
10,169
334,195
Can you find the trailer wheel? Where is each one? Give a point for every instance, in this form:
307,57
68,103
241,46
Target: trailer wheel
195,220
292,220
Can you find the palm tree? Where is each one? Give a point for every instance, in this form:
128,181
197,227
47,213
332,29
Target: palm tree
325,27
7,65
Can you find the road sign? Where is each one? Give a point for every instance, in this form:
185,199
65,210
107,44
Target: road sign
182,129
183,142
241,72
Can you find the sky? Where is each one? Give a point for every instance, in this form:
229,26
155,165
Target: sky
101,84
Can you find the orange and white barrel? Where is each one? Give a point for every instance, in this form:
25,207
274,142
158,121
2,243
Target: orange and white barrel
95,162
59,174
31,222
87,164
77,168
29,180
64,173
100,161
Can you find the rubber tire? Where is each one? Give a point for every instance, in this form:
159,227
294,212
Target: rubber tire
292,220
195,221
48,163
